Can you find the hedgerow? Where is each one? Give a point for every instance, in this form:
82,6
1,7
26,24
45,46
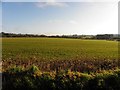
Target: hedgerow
18,78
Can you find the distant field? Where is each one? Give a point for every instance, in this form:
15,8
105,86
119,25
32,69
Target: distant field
34,50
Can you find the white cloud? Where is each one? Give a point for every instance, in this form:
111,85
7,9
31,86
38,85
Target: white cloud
55,21
52,3
73,22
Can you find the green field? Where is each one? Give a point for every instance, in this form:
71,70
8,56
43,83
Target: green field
59,64
19,51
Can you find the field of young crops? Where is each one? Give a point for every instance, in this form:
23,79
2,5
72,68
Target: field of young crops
51,53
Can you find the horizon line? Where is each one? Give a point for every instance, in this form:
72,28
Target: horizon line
59,34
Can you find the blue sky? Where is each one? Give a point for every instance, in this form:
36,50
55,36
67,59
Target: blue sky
53,18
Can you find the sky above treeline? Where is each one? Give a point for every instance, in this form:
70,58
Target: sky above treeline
58,18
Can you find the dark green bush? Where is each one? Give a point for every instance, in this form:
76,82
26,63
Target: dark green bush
32,79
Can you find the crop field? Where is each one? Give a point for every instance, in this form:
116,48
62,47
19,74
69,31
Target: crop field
59,64
51,53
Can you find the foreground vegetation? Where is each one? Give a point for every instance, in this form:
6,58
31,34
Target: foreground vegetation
50,53
59,64
18,78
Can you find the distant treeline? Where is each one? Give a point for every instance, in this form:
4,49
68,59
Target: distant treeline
98,36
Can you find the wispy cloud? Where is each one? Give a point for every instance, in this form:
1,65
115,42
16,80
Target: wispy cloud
53,4
55,21
73,22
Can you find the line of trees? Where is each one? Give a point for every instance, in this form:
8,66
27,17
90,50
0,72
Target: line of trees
99,36
3,34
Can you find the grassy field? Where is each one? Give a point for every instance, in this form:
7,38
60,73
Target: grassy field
59,64
49,52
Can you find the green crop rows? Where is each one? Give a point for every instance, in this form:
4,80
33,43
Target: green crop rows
48,52
59,64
